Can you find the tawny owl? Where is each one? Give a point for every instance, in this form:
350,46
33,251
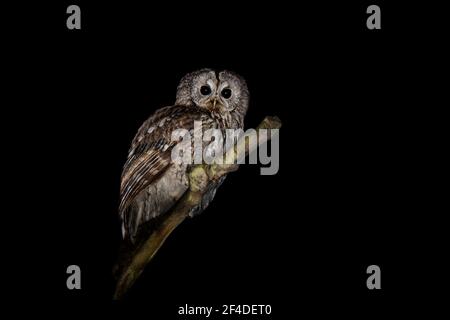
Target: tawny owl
152,182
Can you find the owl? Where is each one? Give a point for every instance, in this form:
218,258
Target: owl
152,182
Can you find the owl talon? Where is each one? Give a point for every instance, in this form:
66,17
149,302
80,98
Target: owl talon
215,172
198,179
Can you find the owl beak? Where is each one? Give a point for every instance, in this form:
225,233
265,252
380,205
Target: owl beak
214,101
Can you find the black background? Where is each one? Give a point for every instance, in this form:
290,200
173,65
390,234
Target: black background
347,192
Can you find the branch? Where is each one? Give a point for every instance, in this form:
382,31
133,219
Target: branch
200,176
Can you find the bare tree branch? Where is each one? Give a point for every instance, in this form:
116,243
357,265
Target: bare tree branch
199,178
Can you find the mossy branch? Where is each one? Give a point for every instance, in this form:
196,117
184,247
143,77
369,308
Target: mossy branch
199,178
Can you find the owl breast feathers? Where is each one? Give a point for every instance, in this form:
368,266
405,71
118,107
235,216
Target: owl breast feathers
151,182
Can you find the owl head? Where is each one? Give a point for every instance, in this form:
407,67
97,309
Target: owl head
222,92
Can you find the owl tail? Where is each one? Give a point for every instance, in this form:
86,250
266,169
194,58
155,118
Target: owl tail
133,261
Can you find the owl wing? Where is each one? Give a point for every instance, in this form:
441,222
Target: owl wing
150,153
148,158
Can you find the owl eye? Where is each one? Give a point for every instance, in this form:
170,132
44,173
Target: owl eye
205,90
226,93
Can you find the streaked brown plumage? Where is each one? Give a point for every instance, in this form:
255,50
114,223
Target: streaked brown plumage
151,182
